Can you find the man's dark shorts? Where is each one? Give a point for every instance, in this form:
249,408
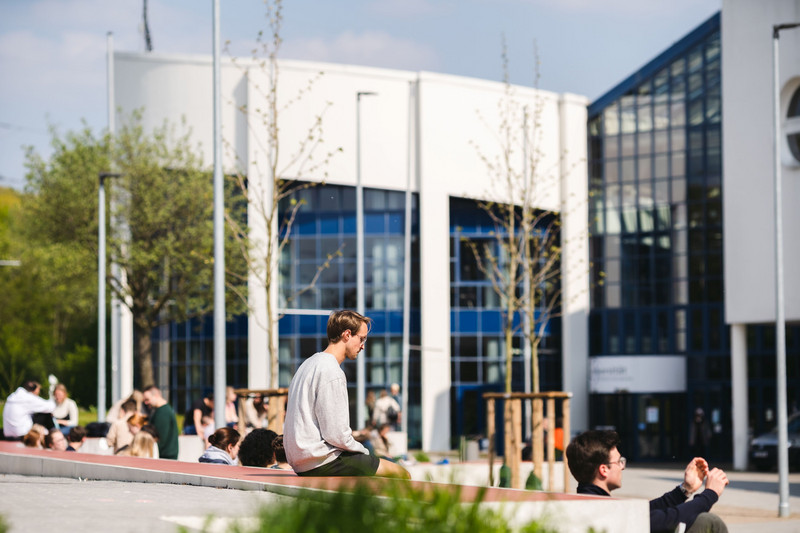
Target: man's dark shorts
347,464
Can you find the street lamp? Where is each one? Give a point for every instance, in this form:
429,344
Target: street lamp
101,295
360,303
780,319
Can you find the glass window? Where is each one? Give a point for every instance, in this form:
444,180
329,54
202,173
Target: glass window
645,167
661,141
678,163
645,117
628,115
611,121
660,81
696,112
628,145
712,47
661,194
695,58
677,114
307,248
679,194
628,196
661,166
645,193
645,142
628,169
661,116
612,171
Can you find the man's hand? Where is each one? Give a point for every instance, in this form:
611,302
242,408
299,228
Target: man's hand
695,472
717,480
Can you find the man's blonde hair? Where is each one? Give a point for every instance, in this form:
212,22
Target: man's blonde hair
343,320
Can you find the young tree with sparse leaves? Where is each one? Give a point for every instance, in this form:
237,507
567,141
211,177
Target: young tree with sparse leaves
268,190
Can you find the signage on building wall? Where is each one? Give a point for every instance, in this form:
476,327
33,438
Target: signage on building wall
637,374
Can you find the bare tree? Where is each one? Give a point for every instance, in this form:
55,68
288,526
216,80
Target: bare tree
271,191
522,259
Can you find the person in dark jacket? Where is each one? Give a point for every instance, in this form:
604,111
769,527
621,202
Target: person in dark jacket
597,465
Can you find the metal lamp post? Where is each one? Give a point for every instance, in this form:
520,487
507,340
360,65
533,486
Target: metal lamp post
101,295
780,319
220,377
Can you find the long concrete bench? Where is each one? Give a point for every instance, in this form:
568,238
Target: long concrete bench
568,513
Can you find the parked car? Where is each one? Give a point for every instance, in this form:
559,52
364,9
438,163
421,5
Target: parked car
764,448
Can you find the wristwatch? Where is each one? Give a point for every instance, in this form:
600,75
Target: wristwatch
686,492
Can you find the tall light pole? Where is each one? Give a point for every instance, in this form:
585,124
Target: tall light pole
361,410
780,319
101,295
219,239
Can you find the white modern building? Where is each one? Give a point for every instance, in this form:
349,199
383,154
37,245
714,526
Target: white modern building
419,132
749,188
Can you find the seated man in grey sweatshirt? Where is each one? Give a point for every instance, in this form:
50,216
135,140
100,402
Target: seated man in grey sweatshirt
317,436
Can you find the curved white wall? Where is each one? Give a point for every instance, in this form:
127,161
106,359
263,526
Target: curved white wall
417,123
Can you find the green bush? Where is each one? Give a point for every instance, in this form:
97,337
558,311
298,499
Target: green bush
403,508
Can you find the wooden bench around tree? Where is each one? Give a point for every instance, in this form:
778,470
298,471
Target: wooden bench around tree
513,432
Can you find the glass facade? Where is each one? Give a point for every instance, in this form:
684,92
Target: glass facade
656,215
655,152
477,344
183,358
322,244
324,234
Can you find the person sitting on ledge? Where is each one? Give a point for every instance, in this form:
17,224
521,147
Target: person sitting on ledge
317,435
596,464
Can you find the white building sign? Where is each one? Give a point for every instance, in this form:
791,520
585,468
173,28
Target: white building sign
637,374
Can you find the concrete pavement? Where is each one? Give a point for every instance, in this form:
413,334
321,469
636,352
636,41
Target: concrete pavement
34,497
64,504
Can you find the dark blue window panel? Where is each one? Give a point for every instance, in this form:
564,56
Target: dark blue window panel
306,224
492,322
348,223
395,322
374,223
287,325
378,323
468,321
396,224
308,325
329,224
454,325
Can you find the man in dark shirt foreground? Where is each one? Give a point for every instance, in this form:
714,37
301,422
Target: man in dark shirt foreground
597,465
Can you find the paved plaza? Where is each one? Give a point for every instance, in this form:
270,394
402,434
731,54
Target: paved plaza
749,504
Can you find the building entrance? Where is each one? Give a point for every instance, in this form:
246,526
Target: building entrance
649,425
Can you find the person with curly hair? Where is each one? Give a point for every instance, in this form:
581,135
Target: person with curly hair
256,448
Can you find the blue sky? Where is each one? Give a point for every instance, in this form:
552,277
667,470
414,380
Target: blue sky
53,67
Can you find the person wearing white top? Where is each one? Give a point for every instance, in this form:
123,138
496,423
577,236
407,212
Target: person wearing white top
317,436
20,407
